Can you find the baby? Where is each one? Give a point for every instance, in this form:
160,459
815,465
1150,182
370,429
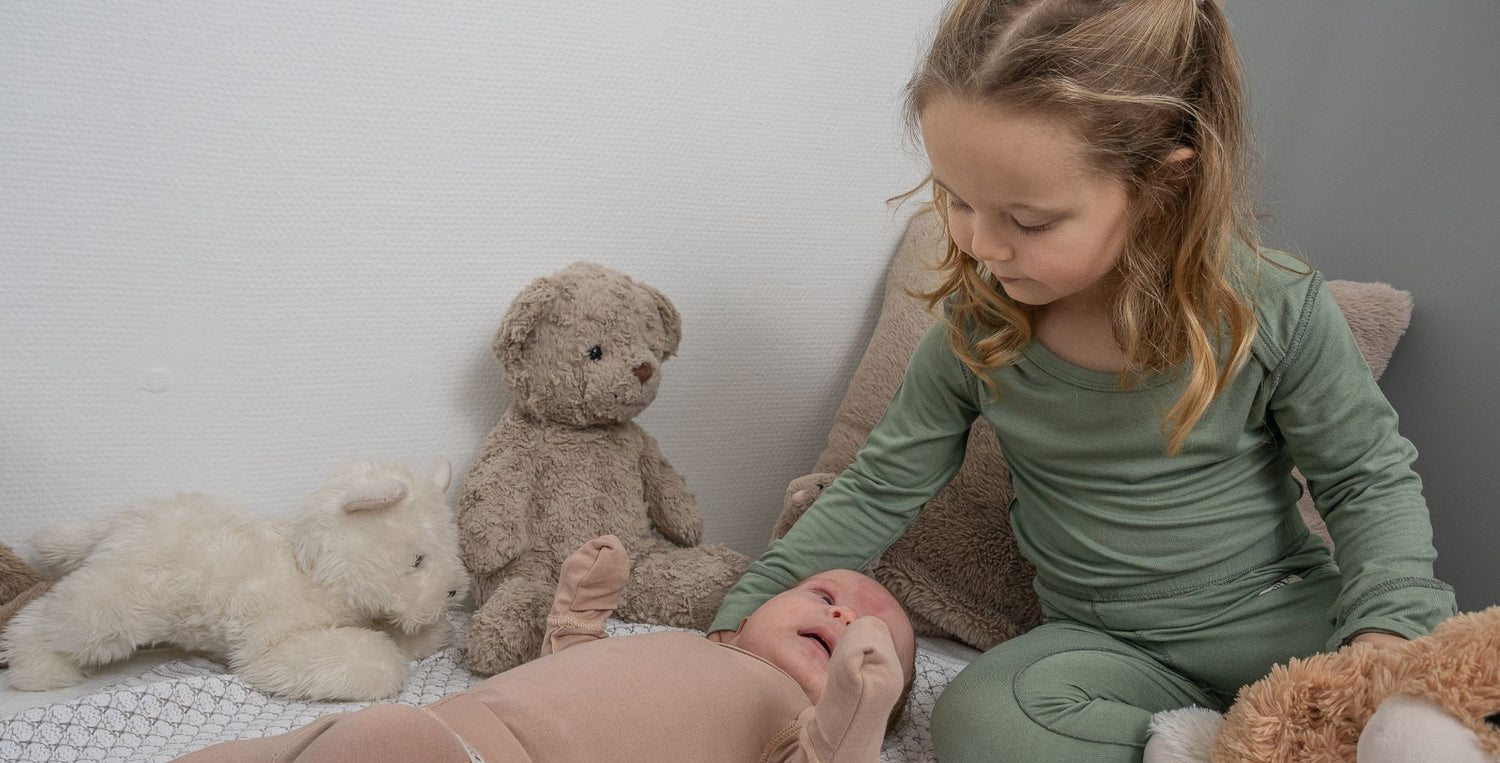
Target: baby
817,673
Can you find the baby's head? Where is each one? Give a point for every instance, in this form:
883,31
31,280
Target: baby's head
798,629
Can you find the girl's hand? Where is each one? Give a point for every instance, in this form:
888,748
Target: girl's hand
1380,640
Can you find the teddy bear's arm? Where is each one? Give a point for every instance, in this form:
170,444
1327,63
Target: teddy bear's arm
492,512
588,591
670,506
864,683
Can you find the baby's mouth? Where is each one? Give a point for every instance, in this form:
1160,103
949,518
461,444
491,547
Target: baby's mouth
822,642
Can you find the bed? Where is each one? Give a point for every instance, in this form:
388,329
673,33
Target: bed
163,703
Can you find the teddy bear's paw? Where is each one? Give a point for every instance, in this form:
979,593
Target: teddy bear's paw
1416,730
507,630
800,494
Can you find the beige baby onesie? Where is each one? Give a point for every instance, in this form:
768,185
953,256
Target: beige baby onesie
658,697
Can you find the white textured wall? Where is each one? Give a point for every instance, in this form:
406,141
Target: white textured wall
241,242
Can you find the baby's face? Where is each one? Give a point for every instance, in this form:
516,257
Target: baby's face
798,629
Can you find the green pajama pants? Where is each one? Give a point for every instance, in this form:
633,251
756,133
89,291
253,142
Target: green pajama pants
1082,687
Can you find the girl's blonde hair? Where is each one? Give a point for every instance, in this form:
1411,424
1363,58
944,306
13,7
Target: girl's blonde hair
1137,80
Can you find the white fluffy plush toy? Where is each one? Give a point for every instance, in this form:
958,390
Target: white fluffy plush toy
331,604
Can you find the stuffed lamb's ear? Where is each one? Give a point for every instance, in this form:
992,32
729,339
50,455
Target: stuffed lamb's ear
376,494
671,321
521,319
440,474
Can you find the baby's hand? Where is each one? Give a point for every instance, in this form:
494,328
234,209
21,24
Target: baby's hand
864,683
592,577
865,661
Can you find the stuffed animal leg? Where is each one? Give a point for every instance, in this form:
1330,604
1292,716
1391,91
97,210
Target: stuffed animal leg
19,585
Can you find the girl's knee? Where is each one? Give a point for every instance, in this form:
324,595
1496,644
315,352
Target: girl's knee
973,718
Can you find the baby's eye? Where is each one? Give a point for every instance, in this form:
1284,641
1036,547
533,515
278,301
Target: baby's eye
418,562
827,599
596,352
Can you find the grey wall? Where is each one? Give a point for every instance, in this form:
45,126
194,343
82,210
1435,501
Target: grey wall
1382,162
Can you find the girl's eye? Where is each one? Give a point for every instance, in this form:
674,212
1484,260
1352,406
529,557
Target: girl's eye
596,352
1031,229
956,205
418,562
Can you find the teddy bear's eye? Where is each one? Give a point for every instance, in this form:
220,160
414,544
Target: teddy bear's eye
1493,719
596,352
418,562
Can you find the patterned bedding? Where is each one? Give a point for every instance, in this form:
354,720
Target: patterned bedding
188,704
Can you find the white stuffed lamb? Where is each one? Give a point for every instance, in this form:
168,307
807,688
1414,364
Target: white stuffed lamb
331,604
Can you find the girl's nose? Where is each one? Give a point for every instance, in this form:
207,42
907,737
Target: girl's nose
990,249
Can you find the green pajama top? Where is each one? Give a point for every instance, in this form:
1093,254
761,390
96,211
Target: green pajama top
1104,514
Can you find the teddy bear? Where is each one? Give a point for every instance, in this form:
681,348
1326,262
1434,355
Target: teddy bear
582,351
19,584
1436,698
330,604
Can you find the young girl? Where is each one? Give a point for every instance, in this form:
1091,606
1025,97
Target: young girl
1152,376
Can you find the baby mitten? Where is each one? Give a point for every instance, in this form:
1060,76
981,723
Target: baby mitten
588,590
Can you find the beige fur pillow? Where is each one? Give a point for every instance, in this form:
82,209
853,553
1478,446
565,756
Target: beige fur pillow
957,568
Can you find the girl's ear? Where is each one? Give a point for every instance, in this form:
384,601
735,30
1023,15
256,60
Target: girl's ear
1179,166
521,319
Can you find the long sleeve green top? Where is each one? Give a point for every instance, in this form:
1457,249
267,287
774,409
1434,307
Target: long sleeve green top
1101,510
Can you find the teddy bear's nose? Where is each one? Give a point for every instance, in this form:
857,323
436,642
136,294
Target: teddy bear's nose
643,372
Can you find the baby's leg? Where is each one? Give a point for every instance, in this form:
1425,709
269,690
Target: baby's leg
1060,692
394,733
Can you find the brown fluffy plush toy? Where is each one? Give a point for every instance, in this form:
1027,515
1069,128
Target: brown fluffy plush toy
19,584
582,351
1435,700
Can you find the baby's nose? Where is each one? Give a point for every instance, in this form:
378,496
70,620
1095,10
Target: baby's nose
844,615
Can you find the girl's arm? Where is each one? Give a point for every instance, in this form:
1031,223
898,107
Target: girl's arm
1341,432
910,455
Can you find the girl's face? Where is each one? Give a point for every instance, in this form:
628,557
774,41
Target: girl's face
1022,201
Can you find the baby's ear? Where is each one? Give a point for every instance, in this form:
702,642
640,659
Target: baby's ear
671,321
521,319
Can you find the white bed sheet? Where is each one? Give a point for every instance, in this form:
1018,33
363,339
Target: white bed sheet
163,703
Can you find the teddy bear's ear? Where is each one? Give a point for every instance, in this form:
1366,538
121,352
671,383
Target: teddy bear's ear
373,495
440,474
521,319
671,321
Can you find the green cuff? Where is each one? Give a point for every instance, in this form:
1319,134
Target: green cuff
1406,607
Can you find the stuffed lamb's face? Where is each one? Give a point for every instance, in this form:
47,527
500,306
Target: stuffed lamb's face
388,541
585,347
